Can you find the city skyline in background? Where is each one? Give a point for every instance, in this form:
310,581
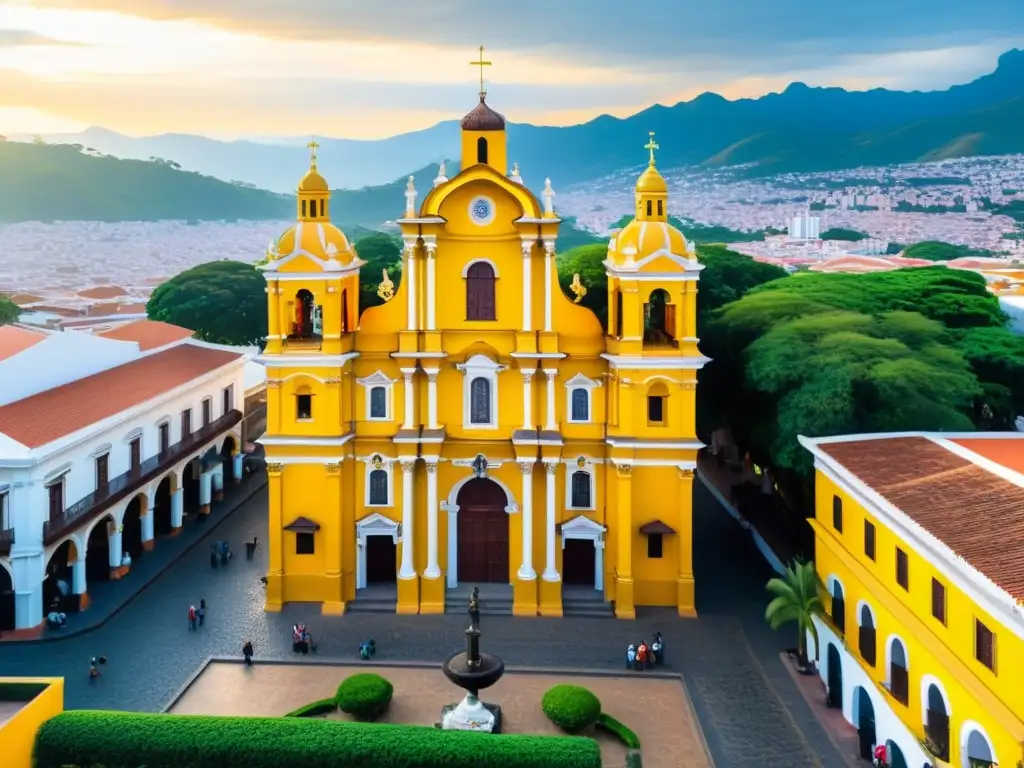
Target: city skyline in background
245,69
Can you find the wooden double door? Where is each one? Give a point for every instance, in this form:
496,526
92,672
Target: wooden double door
482,533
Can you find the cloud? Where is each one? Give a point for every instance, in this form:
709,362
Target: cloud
17,38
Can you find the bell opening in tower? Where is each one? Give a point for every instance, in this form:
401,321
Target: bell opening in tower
481,150
306,326
659,321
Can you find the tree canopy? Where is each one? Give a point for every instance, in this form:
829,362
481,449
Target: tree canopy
588,262
223,302
839,233
821,354
9,311
935,250
380,252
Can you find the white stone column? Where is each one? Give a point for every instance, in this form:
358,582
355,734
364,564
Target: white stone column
28,607
78,582
433,570
147,528
549,268
409,279
408,569
218,483
431,398
410,398
527,286
114,552
550,566
526,572
599,565
431,287
177,508
528,398
452,572
550,424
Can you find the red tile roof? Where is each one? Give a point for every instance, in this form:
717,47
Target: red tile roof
14,340
62,411
1007,452
977,514
149,334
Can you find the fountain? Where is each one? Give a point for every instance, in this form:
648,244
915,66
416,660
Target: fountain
473,671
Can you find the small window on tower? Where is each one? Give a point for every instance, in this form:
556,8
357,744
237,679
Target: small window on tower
650,206
661,208
481,150
322,206
303,209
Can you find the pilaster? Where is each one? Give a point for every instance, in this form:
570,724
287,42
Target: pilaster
551,581
275,572
332,543
147,519
686,595
408,581
624,604
525,585
432,584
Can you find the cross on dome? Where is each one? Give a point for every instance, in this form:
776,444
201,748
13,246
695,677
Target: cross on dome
481,63
312,147
651,146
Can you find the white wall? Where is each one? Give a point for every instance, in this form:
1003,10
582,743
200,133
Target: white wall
888,727
79,355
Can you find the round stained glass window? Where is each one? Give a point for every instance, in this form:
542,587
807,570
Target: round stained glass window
481,210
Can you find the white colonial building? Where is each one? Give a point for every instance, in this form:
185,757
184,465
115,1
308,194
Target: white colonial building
107,442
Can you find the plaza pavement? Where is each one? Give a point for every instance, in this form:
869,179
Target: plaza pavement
751,711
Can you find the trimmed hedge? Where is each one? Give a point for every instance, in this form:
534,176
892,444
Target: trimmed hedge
617,729
88,739
315,708
571,707
21,691
364,696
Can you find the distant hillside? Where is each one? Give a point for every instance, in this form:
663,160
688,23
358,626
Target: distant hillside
801,129
60,183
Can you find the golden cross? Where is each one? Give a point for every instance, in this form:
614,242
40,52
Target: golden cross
481,63
312,147
650,145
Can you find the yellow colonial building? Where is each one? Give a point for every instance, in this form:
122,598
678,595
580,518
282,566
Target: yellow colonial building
481,427
919,543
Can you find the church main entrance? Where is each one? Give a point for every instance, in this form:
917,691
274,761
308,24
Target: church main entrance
483,533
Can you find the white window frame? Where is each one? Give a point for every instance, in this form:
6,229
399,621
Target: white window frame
579,381
379,379
572,467
479,367
387,466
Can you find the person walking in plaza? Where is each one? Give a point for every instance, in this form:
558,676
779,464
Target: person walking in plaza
201,613
191,617
247,652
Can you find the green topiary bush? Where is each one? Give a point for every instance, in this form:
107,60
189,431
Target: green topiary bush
571,707
87,739
364,696
315,708
618,730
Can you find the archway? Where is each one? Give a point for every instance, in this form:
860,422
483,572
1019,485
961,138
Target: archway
895,755
304,315
57,583
659,320
6,600
162,506
131,532
579,559
936,721
482,532
97,551
866,639
227,456
976,749
837,611
835,678
190,486
863,712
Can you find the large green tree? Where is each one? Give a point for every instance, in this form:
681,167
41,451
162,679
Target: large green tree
380,252
224,302
588,262
9,311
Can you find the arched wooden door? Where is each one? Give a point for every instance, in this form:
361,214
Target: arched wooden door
482,532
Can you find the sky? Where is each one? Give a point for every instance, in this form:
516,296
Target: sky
359,69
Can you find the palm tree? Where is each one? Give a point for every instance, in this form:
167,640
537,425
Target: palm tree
796,599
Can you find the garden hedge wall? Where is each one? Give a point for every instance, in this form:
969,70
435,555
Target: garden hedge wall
87,739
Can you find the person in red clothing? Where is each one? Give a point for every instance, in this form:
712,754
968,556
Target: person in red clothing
192,617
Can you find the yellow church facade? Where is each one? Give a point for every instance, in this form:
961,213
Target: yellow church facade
481,427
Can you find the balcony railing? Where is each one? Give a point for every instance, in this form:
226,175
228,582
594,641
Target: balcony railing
6,540
118,488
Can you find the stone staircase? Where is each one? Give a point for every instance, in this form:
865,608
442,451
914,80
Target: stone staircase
373,600
497,605
585,602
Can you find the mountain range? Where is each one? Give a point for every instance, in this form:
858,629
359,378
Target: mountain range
800,129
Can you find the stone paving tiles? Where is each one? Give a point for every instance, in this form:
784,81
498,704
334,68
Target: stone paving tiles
750,711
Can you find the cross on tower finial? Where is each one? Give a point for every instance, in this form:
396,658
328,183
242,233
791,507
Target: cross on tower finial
481,63
312,147
651,146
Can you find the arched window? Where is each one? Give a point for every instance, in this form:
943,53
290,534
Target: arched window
344,310
378,403
650,207
837,514
480,401
867,635
618,314
660,320
899,671
838,612
657,405
323,205
303,209
481,150
581,489
661,207
480,303
379,487
302,328
936,726
580,410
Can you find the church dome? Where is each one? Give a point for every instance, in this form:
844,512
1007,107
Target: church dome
483,118
313,182
640,239
651,182
321,240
